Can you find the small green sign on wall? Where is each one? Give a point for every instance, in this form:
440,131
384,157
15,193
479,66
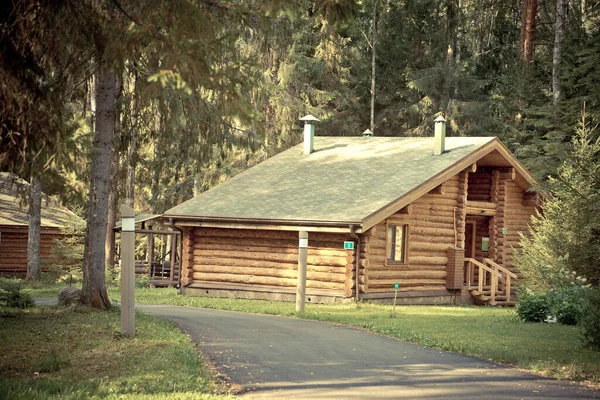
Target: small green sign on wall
485,242
396,285
348,245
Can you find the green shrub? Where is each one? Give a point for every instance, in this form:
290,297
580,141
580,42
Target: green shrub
567,304
12,296
590,320
534,308
142,282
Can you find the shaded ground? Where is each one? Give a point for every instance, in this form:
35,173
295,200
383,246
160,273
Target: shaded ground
278,357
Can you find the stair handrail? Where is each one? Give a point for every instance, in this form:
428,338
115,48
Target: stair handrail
509,275
500,268
494,273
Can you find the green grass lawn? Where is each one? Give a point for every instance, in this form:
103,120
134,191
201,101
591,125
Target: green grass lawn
486,332
79,353
490,333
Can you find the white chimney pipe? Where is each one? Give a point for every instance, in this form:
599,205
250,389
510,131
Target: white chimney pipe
309,133
439,138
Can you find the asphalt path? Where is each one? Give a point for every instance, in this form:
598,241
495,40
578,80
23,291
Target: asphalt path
279,358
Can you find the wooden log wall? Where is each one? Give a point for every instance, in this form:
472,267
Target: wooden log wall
187,257
517,216
268,258
461,212
431,233
13,249
496,223
480,185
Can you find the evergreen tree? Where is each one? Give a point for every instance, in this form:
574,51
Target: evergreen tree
564,245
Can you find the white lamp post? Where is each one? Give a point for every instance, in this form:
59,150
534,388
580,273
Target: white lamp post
127,270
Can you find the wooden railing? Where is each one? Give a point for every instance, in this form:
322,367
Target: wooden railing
489,274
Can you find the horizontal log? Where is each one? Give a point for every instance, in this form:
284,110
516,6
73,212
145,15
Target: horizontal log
414,274
437,208
481,204
424,222
377,244
312,243
440,232
427,253
237,262
278,257
271,249
270,272
417,237
406,267
407,288
436,201
414,246
426,215
424,260
481,211
452,182
264,280
265,234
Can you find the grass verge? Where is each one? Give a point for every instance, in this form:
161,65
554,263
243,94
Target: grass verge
79,353
494,334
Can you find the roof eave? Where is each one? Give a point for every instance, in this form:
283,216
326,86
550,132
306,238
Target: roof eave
524,179
264,223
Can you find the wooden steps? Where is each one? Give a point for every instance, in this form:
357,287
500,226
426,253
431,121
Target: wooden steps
486,298
490,283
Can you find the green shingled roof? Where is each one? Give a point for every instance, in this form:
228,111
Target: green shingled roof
345,179
14,212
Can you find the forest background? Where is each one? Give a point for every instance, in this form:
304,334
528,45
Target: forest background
153,102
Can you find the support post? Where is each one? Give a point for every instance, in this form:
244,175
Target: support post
302,260
150,254
127,270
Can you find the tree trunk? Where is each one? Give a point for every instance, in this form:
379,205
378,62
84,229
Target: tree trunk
132,150
559,33
524,8
112,205
451,28
34,267
373,58
94,286
530,30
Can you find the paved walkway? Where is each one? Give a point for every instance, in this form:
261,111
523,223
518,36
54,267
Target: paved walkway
280,358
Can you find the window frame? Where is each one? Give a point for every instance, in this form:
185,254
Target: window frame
405,239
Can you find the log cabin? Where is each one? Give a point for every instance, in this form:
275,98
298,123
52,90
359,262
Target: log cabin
14,226
431,220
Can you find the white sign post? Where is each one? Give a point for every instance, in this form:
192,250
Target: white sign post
127,270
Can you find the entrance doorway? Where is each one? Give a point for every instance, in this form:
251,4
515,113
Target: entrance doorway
476,229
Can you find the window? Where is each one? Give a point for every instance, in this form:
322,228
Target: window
396,243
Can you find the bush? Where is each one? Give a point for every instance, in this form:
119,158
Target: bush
567,304
142,282
590,320
534,308
12,296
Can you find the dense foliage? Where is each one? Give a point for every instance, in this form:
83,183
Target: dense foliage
199,105
590,320
565,306
560,258
12,295
564,246
199,90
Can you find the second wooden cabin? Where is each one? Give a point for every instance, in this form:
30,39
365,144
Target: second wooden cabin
439,216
